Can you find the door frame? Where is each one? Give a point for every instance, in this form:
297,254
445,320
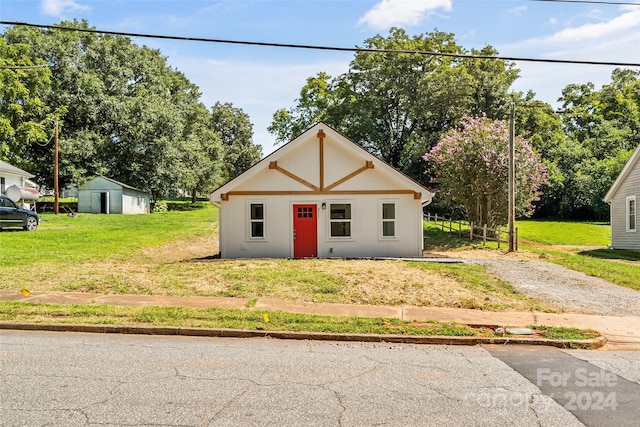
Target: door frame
292,211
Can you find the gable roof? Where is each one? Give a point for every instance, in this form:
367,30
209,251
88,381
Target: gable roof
6,167
113,181
270,162
623,175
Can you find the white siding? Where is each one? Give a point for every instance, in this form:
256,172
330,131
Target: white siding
135,203
620,237
10,180
365,241
120,199
349,175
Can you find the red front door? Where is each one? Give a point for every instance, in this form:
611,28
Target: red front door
305,231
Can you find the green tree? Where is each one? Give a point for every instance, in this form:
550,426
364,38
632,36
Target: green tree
236,131
602,129
396,105
202,154
317,102
64,52
541,126
490,81
22,110
128,114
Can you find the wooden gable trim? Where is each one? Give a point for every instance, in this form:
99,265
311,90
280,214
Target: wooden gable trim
321,189
416,195
274,165
321,135
368,165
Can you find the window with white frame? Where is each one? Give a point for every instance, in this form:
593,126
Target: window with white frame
631,213
388,219
256,221
340,219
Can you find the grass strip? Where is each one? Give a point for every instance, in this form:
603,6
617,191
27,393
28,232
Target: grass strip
562,333
256,320
216,317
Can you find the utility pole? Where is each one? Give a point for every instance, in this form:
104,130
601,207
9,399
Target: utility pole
512,179
55,168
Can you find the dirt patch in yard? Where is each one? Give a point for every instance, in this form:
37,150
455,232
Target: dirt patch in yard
168,270
200,247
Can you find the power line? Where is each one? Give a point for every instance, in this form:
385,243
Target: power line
327,48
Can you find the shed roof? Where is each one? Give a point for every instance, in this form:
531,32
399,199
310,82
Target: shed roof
120,184
8,168
623,175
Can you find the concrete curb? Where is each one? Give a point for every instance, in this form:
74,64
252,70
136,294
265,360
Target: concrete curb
319,336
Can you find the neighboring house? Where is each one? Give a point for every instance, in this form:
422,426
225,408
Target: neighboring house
321,195
11,175
15,183
104,195
623,198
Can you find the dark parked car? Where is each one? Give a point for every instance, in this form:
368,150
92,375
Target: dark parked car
13,216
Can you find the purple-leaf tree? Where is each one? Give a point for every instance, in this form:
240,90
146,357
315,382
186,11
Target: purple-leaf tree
471,166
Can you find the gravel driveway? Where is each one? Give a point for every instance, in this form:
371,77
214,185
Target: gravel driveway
565,288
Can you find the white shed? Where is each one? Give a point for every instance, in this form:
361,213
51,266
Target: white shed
321,195
623,198
105,195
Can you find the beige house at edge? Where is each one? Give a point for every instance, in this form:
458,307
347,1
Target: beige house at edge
623,198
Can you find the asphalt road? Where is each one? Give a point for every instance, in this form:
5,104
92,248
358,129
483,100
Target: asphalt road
76,379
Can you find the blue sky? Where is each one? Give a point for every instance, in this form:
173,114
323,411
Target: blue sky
260,80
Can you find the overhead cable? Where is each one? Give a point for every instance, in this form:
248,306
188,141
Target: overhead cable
327,48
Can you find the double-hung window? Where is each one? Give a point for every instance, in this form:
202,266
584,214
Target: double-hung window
256,221
340,219
631,211
388,220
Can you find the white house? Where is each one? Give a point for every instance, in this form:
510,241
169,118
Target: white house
105,195
623,198
321,195
11,175
15,183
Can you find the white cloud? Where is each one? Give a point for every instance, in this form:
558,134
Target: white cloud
618,26
401,13
58,7
616,39
517,10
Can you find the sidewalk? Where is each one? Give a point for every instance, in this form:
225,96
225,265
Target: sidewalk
621,332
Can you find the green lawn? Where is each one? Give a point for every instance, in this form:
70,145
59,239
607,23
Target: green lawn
63,240
158,254
154,254
564,233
